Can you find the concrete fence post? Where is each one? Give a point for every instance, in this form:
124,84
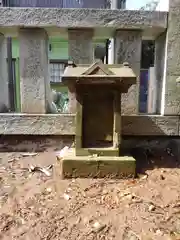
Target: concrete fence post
81,51
128,49
34,72
170,104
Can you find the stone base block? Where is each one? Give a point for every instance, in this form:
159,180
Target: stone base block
97,167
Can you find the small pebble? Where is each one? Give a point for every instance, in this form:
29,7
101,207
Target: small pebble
159,232
144,177
133,238
129,197
66,196
162,177
124,194
86,220
22,221
105,191
151,208
49,190
98,227
68,190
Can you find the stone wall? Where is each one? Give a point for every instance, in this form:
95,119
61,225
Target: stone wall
34,25
64,124
81,18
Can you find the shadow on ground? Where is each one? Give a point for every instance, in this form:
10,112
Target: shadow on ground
152,153
149,152
33,143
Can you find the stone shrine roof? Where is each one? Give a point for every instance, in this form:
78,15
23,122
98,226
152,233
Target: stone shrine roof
98,69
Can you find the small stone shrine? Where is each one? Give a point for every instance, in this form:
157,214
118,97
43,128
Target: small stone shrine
95,97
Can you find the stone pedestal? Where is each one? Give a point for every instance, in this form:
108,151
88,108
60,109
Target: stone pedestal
96,167
34,74
171,94
128,49
4,90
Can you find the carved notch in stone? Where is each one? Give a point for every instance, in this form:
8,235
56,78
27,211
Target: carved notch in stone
98,68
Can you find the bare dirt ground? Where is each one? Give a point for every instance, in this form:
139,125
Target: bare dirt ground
35,206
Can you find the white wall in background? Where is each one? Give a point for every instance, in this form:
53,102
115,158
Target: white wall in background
163,6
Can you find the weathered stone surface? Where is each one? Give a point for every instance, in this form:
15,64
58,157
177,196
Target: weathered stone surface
86,166
174,3
121,167
173,33
81,46
4,90
70,18
128,49
78,168
35,143
150,125
50,124
34,79
172,96
159,66
64,124
172,89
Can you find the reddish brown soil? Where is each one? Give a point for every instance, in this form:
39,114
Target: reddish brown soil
34,206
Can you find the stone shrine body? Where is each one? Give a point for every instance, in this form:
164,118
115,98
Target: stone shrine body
95,97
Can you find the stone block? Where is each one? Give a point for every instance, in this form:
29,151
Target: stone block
64,124
82,18
97,167
150,126
31,124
